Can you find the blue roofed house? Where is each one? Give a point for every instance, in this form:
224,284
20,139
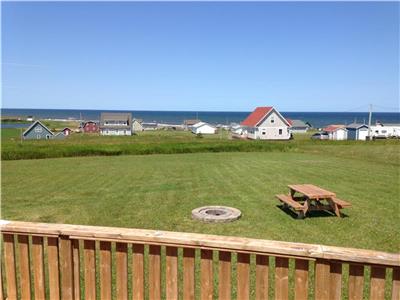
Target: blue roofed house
37,131
357,131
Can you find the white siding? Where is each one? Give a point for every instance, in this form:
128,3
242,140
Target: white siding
273,127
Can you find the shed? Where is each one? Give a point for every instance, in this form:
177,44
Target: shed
203,128
357,131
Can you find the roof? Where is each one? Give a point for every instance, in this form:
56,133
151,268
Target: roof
34,125
356,125
201,124
332,128
297,123
115,116
191,121
259,114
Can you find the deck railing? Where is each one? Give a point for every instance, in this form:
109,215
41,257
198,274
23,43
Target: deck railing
56,261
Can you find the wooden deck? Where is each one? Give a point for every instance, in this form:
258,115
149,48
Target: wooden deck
67,246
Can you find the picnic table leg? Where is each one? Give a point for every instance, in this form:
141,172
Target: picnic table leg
292,192
335,207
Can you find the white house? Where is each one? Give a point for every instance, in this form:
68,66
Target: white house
385,130
336,132
203,128
116,124
266,123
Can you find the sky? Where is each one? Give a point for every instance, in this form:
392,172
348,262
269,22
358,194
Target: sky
209,56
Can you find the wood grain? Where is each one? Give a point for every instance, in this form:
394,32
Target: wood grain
171,273
356,282
262,265
38,267
66,269
301,279
138,271
122,270
154,272
24,269
396,284
89,269
377,285
9,264
322,279
224,276
206,273
188,273
243,276
335,290
52,261
105,270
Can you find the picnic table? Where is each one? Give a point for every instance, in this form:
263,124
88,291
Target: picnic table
303,198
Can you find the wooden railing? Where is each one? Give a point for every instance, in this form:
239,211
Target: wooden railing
56,261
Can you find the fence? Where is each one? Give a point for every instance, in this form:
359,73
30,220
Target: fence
71,262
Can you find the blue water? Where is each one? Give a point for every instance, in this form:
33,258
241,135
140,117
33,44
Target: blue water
317,119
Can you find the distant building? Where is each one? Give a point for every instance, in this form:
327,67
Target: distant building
386,130
357,131
149,126
203,128
37,131
189,123
238,129
116,124
137,125
298,126
59,136
66,131
30,118
90,127
266,123
336,132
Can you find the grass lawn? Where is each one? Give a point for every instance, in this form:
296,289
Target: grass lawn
159,192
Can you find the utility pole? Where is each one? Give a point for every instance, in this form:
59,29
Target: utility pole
369,122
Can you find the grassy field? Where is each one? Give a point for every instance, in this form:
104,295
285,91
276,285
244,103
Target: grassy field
159,192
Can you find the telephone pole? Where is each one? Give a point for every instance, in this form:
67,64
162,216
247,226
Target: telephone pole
369,122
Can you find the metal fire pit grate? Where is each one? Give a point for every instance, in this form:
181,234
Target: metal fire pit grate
216,214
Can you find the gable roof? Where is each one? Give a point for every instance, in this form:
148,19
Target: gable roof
259,114
297,123
356,125
332,128
201,124
34,125
115,116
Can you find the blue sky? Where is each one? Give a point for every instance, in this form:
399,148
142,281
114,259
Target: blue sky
303,56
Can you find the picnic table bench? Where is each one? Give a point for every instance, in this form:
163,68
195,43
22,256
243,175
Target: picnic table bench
311,198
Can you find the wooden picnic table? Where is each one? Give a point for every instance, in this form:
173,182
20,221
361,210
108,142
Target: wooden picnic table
311,198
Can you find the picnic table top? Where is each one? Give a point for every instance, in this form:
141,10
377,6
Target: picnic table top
311,191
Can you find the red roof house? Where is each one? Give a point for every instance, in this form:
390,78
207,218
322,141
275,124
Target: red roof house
267,123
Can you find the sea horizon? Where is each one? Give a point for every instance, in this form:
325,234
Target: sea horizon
316,119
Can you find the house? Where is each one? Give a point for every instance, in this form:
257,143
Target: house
238,129
37,131
336,132
187,124
116,124
149,126
203,128
386,130
30,118
266,123
357,131
90,127
66,131
298,126
137,125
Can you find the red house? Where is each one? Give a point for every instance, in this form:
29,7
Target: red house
90,127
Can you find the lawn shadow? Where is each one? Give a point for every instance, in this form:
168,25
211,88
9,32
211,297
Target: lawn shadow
312,214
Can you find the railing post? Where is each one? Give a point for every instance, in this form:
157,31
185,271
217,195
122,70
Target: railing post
66,268
322,279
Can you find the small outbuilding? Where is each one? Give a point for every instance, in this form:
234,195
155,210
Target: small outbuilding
137,125
357,131
336,132
37,131
66,131
203,128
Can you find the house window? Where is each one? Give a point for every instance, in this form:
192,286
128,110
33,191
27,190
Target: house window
272,120
38,129
280,131
263,133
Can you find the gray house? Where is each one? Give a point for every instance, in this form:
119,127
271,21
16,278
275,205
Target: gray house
357,131
116,124
298,126
37,131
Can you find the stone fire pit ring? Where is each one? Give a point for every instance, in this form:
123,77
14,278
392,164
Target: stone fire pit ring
216,214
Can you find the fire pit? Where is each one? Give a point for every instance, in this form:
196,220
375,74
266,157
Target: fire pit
216,214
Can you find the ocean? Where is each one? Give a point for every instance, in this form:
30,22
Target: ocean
316,119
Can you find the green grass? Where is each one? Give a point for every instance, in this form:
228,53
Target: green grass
159,192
